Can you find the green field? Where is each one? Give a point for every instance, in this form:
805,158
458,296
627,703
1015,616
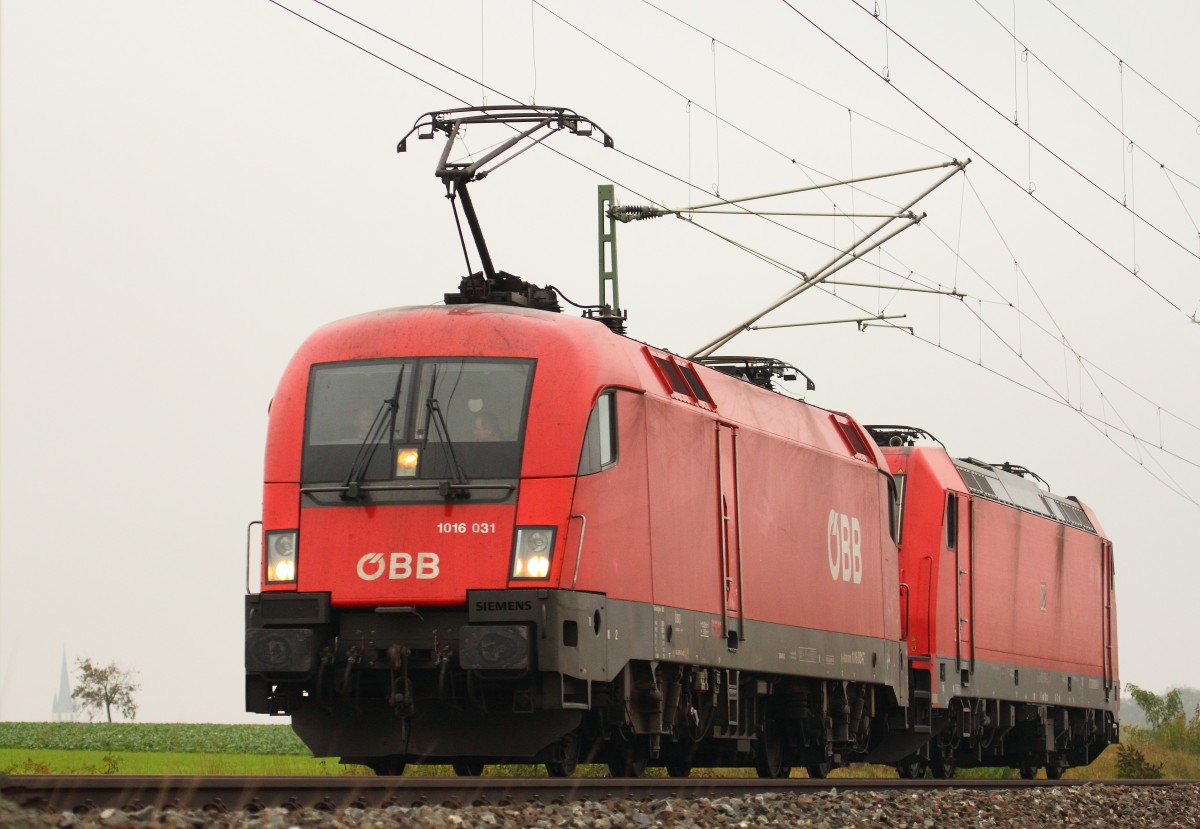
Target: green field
183,738
265,750
59,761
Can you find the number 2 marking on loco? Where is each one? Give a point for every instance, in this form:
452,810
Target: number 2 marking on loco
844,539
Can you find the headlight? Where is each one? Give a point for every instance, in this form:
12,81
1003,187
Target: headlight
406,462
533,551
281,556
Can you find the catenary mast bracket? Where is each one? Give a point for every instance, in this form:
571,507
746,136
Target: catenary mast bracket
846,256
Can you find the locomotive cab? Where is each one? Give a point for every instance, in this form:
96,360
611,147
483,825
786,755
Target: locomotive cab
414,529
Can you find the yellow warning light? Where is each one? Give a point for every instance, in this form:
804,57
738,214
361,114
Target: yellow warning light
406,463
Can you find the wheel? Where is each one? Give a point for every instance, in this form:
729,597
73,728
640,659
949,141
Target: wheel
679,769
943,766
943,762
912,767
1028,771
769,750
392,766
468,768
625,762
942,759
563,769
818,771
626,757
566,756
1054,771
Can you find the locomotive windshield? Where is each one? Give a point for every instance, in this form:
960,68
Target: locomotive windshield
452,418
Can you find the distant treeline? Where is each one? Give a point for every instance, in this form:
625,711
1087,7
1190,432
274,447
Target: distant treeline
1132,714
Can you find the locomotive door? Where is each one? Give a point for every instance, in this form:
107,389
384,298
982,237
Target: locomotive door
960,539
1106,599
729,532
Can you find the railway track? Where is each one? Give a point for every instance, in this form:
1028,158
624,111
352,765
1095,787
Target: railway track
82,793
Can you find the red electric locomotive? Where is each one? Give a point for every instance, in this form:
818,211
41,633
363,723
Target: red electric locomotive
1009,609
493,533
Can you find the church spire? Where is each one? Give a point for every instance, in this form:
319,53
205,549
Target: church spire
65,708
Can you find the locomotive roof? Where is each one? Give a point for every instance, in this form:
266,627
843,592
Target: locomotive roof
577,358
994,483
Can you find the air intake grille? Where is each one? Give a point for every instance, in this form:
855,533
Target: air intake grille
1073,515
976,483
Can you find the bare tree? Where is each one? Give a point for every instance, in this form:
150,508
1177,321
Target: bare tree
105,689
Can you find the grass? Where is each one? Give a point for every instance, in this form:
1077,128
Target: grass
1176,764
268,750
59,761
188,738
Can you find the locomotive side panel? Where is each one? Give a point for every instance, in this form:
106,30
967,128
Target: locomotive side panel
685,521
615,555
1038,589
811,549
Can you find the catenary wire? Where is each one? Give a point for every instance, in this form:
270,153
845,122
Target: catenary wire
1090,418
369,52
1058,335
1078,94
466,77
930,229
911,273
787,157
1056,398
780,73
1101,44
925,225
1036,140
988,161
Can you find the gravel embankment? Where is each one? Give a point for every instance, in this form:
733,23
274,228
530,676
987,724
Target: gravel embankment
1111,807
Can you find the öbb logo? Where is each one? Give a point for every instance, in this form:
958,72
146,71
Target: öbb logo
398,566
844,537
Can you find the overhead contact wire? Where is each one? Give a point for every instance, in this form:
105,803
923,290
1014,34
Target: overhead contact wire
1082,98
1054,397
717,117
793,80
1037,141
415,77
773,263
988,161
1101,44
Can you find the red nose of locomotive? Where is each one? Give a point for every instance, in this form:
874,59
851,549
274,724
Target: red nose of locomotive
421,554
410,477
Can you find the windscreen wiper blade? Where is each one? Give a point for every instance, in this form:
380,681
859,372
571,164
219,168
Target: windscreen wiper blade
438,421
385,418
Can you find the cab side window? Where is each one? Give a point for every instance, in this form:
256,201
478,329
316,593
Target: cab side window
600,439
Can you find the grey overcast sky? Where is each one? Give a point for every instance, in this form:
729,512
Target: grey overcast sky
189,189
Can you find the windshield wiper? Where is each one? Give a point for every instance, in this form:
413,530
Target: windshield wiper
436,420
385,418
